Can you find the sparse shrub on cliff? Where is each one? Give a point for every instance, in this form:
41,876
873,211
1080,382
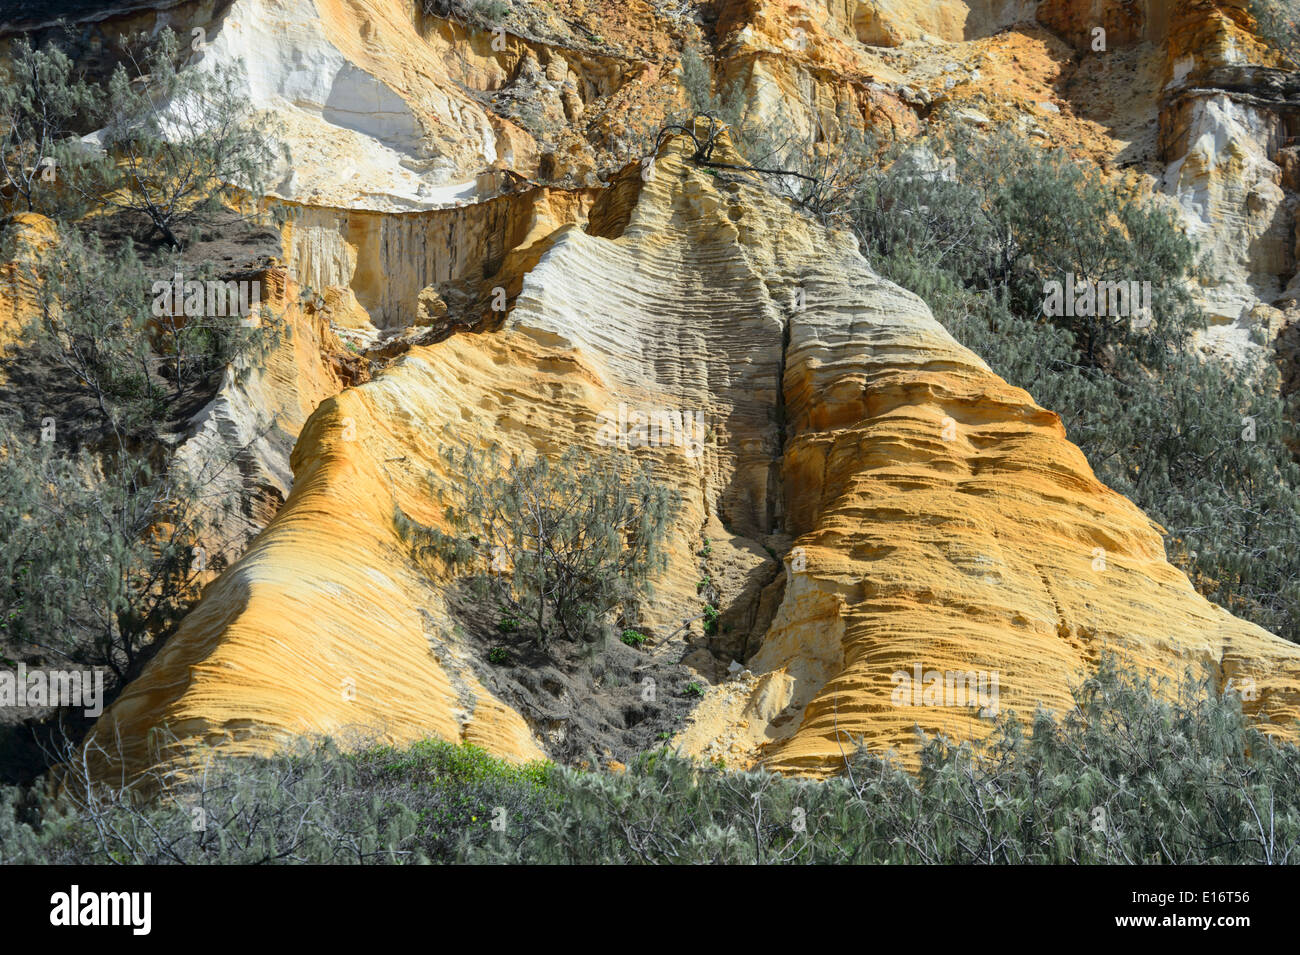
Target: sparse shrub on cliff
697,81
98,553
818,169
818,172
175,145
558,546
96,325
186,142
483,14
92,327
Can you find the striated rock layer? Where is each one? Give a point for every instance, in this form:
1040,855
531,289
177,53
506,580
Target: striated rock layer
928,514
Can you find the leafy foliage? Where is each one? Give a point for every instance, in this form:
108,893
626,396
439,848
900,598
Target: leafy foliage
430,802
186,141
1000,215
558,546
41,106
1124,777
96,561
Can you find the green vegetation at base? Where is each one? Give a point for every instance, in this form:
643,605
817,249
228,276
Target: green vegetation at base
1125,777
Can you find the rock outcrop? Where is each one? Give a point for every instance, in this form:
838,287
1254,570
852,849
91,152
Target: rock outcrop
931,515
866,497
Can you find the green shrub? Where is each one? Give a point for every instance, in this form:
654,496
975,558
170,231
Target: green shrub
187,142
428,802
98,556
43,107
1127,776
559,546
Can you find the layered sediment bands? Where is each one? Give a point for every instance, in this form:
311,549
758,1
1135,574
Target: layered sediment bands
943,520
662,317
388,259
1223,125
939,518
325,627
237,447
947,523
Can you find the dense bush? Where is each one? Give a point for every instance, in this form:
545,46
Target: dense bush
100,536
97,557
430,802
558,546
1125,777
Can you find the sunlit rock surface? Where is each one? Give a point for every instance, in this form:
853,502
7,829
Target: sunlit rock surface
873,497
937,516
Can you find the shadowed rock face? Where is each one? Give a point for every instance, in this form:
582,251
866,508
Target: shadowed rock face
938,517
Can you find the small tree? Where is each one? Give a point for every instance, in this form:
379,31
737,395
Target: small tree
186,141
99,320
802,162
1005,216
92,323
557,545
41,104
